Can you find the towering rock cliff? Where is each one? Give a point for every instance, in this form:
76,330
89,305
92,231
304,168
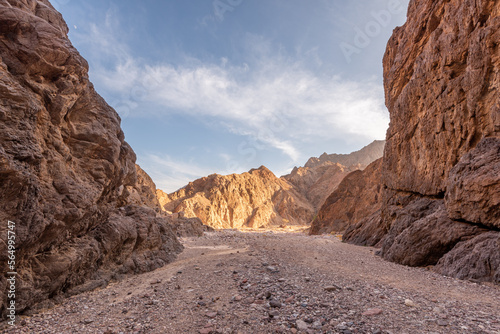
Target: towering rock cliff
440,176
65,170
320,176
254,199
442,157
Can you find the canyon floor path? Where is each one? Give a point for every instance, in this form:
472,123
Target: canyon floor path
275,282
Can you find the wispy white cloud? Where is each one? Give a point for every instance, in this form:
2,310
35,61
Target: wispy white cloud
276,104
170,174
272,98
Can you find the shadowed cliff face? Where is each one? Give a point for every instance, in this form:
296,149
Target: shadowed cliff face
65,169
441,160
357,197
439,179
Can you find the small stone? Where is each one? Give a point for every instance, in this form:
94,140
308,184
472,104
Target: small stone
442,322
302,325
237,298
437,310
410,303
273,314
275,303
372,312
88,321
206,330
281,280
307,278
211,314
289,299
331,288
272,269
317,324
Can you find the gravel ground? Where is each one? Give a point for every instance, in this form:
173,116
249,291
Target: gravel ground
273,282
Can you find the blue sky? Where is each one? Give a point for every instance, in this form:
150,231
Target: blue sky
223,86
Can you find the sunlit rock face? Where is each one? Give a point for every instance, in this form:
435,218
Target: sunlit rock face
254,199
65,170
260,199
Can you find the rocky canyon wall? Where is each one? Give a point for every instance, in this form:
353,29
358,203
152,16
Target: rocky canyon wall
438,202
66,173
441,167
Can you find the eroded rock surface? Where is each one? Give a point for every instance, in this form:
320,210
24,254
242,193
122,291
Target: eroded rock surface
442,75
356,197
254,199
321,176
65,167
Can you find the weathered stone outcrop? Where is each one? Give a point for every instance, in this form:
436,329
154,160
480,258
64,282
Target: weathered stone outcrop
65,168
321,176
472,190
359,195
441,160
144,191
254,199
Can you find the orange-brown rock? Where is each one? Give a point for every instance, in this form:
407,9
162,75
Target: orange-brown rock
254,199
144,191
356,197
65,168
321,176
442,79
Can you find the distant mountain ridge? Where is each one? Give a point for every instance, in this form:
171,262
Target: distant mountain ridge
364,156
258,198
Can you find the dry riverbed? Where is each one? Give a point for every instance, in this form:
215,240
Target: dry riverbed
274,282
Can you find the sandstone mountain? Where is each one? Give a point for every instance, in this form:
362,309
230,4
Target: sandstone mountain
259,198
441,165
363,157
83,214
320,176
254,199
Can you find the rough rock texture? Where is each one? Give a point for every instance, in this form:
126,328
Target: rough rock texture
356,197
483,251
442,78
254,199
473,188
64,167
188,227
162,198
321,176
144,191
